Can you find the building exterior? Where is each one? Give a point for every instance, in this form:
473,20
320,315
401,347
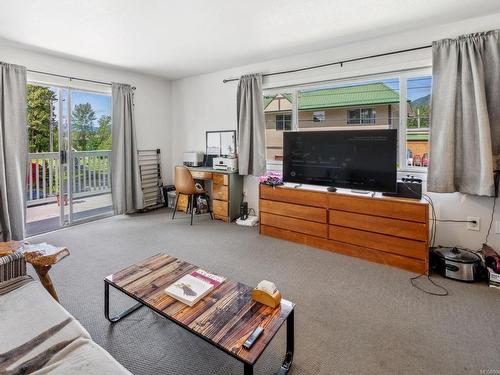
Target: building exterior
372,105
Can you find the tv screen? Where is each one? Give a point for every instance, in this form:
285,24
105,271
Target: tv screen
353,159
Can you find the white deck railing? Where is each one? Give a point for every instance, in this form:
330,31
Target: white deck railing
91,175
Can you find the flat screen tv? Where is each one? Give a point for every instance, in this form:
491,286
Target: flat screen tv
352,159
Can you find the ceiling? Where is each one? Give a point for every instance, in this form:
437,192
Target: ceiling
175,39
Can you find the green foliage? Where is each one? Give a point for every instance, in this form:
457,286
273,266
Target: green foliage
41,114
103,135
420,117
82,124
87,132
86,136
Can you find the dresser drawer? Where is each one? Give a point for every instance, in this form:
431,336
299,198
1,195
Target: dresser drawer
383,242
220,178
295,225
287,195
294,210
376,224
220,192
201,175
220,208
385,207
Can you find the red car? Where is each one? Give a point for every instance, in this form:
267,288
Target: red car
417,161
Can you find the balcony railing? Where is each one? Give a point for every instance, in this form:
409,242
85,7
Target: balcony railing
91,175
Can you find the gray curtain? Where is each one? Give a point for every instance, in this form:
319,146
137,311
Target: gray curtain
126,180
465,119
13,151
251,126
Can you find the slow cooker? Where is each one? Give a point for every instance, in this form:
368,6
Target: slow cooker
456,263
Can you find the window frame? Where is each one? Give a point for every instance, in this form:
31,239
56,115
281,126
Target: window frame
44,80
402,75
373,118
284,120
314,116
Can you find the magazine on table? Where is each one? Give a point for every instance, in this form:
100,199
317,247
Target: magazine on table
192,287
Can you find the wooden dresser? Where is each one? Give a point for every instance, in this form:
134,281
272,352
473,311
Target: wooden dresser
226,192
392,231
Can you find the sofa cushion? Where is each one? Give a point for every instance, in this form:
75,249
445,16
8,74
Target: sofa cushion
40,337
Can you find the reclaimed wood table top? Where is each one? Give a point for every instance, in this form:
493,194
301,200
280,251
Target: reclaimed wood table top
225,317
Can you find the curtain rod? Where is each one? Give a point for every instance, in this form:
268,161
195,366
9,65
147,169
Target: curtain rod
341,63
72,78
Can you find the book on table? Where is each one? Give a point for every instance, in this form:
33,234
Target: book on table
192,287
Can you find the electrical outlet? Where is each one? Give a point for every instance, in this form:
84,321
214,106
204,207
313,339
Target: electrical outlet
473,223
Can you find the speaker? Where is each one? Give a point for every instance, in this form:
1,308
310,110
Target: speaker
408,187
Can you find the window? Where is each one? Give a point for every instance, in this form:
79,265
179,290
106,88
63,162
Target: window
284,122
359,104
361,116
418,121
338,106
319,116
278,117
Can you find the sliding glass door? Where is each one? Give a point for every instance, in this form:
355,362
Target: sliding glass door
90,155
69,157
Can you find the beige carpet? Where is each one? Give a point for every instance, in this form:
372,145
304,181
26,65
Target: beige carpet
352,316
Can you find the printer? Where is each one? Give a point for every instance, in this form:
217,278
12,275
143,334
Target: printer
193,159
226,164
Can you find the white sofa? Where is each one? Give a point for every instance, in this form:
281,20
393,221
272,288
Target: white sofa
38,336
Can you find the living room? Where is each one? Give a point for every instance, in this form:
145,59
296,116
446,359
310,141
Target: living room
199,162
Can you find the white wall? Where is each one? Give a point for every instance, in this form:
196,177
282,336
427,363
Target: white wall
152,94
204,103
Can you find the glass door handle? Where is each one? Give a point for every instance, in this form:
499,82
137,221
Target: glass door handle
63,155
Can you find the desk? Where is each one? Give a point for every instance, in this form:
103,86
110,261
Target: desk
226,192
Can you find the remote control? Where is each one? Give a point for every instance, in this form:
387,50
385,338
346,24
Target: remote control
253,337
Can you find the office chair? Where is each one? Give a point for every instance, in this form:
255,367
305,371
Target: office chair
184,184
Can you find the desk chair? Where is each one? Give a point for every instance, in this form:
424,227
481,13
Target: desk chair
184,184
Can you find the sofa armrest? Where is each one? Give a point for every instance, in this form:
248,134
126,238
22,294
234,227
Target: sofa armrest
12,266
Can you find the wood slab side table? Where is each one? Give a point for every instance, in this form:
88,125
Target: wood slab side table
41,258
42,261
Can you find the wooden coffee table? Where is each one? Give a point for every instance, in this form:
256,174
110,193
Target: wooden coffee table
225,317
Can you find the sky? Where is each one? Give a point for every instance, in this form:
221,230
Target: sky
417,87
99,102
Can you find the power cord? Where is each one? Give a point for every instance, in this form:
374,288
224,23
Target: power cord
491,220
456,221
442,294
432,242
433,235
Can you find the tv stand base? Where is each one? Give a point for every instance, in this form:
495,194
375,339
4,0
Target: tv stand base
391,231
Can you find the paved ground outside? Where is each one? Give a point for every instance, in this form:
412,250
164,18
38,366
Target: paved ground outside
44,218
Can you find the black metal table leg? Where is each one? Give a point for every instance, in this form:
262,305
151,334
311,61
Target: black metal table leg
116,318
290,342
248,369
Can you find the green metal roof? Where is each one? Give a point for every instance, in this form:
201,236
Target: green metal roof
368,94
268,100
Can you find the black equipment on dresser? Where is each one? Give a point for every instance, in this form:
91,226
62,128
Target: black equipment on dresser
408,187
